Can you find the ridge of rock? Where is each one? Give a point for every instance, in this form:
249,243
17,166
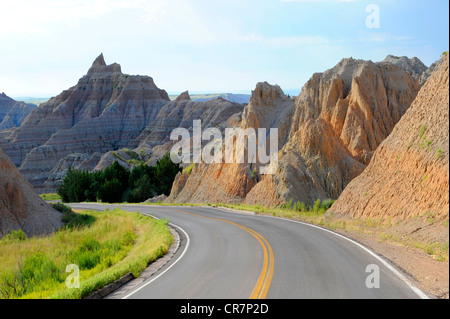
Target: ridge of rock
408,177
183,97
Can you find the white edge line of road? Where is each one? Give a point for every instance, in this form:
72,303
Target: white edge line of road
417,291
173,264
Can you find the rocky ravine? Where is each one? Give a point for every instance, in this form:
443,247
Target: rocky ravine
327,136
20,206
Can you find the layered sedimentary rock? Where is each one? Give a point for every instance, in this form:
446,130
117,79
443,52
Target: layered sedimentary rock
154,141
182,112
20,206
409,174
269,107
104,111
327,136
12,113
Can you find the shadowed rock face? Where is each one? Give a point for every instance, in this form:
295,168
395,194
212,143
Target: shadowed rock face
413,66
409,173
12,113
327,136
20,206
104,111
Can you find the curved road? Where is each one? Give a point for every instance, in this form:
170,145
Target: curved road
226,255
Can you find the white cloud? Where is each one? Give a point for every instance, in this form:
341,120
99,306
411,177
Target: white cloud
30,16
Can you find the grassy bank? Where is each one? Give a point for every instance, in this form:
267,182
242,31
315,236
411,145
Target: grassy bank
50,196
104,245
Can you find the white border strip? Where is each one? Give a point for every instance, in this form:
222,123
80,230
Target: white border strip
416,290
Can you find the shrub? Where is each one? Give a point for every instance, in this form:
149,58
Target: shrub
166,170
327,203
188,169
118,184
62,208
16,235
112,191
316,206
300,207
73,220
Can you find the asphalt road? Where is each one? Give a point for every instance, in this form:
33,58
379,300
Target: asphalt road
226,255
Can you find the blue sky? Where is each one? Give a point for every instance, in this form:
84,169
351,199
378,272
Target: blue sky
205,45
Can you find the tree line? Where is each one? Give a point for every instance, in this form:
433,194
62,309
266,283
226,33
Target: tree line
118,184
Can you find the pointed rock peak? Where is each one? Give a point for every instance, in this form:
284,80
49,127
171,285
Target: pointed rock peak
221,99
4,96
99,68
100,61
266,88
183,97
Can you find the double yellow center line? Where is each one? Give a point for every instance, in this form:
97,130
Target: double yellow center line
265,277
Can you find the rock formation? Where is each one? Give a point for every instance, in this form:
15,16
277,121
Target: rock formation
327,136
413,66
408,176
20,206
154,141
433,68
105,111
12,113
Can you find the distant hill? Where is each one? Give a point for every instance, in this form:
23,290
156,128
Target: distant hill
12,112
33,100
235,98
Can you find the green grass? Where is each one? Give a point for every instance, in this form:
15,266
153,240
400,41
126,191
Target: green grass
50,196
188,169
423,129
105,246
297,211
439,153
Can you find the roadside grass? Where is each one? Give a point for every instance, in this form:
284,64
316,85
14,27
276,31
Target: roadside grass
50,196
188,169
105,246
